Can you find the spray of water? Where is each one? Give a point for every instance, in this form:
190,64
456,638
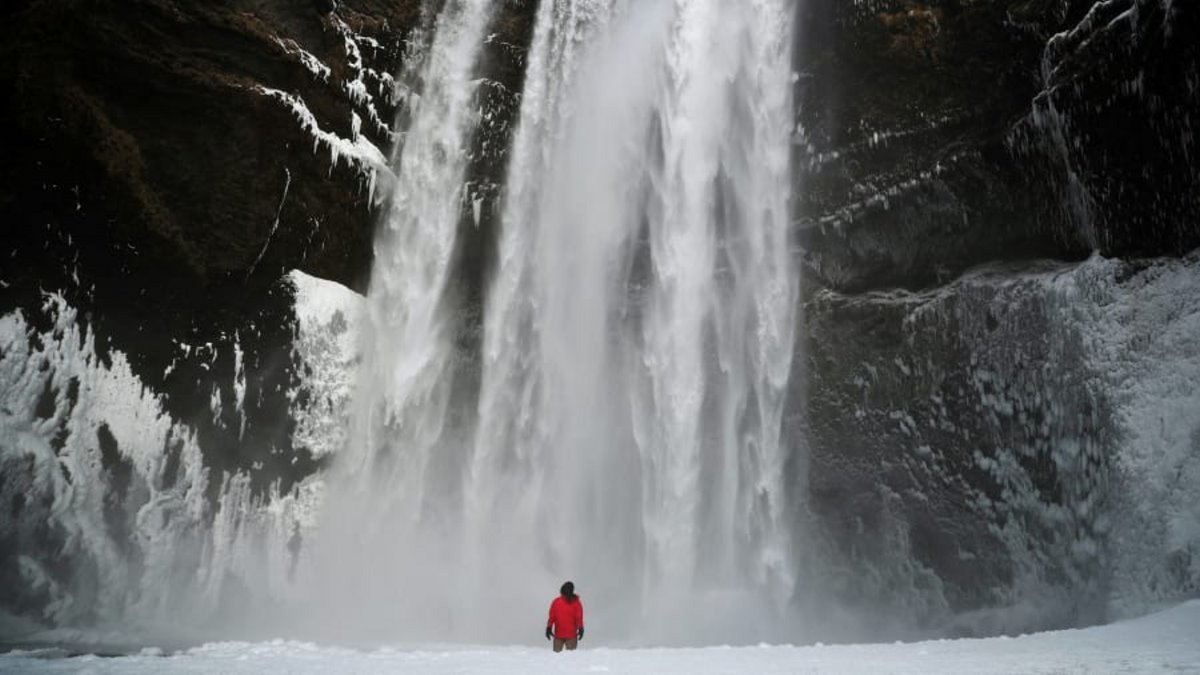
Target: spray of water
638,337
375,571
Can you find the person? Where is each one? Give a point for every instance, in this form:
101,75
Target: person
565,625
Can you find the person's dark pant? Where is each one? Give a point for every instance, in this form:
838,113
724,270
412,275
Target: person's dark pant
570,644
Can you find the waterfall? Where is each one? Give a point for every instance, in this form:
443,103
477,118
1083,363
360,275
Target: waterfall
637,339
583,325
386,480
640,326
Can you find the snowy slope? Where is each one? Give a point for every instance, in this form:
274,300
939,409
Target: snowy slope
1165,642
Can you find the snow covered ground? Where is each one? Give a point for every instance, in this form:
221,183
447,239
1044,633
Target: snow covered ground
1166,642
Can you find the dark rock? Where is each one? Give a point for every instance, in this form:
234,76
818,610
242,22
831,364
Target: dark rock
920,156
153,179
150,180
152,110
952,434
1115,127
936,137
905,175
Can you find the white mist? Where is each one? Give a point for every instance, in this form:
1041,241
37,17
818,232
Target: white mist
638,341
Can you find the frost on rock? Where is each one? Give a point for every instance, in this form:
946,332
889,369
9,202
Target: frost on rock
108,493
356,88
239,386
1124,505
310,62
85,446
326,347
1041,427
359,152
1142,331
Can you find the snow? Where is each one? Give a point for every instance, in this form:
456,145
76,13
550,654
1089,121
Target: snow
357,91
314,65
326,346
66,414
1143,336
358,152
318,300
59,399
1168,641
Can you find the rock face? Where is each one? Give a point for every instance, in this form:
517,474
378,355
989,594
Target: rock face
1005,452
962,440
172,160
166,163
945,134
1117,115
160,117
954,434
905,109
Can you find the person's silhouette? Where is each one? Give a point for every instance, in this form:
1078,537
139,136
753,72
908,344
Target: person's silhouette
565,625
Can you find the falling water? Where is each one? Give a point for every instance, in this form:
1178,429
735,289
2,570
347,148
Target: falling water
640,327
377,554
638,337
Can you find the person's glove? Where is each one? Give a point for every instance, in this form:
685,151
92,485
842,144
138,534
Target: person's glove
580,633
548,636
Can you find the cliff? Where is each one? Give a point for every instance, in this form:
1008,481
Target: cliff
167,163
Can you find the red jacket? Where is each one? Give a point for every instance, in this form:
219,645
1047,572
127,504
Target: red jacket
566,616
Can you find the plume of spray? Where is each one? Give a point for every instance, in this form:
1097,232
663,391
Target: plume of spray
639,330
637,344
378,569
